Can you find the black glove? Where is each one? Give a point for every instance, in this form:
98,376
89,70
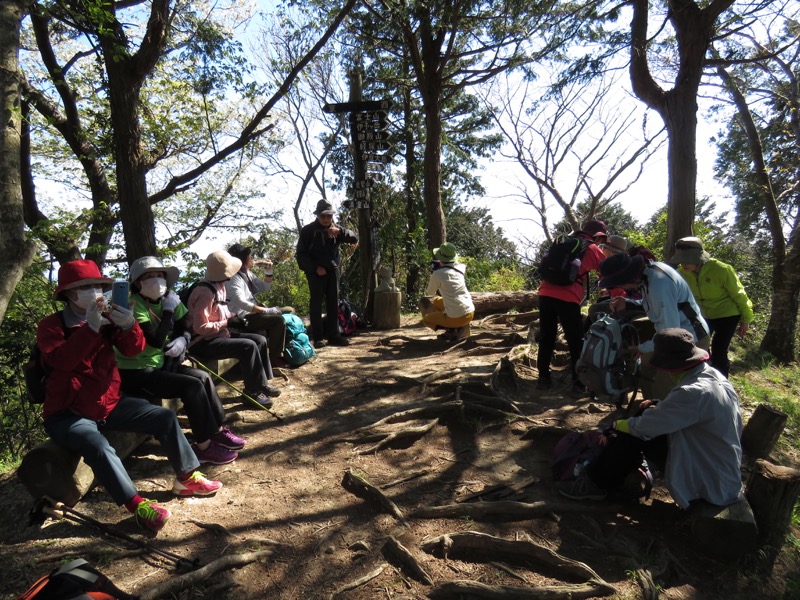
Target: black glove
237,323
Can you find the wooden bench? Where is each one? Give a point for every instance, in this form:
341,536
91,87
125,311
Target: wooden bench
51,470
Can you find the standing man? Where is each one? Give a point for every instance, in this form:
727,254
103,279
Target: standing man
318,257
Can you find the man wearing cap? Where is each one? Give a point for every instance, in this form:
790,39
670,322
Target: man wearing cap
318,256
720,294
562,303
210,321
448,304
82,392
666,299
692,435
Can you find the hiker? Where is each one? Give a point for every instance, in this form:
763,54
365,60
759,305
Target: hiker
83,399
318,257
211,323
267,320
562,303
721,296
447,304
691,436
158,370
667,301
614,244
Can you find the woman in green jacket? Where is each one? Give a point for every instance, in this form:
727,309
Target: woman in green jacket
720,294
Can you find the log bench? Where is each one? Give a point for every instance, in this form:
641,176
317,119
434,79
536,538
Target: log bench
50,470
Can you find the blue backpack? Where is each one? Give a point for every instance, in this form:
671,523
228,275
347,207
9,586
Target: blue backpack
298,350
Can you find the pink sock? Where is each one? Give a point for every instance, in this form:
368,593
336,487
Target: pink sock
133,503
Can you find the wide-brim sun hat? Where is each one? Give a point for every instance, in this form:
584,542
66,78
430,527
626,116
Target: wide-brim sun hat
619,269
689,251
674,349
77,273
150,264
220,266
445,253
616,243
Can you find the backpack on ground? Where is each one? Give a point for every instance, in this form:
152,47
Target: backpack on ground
298,349
350,317
604,366
561,262
576,450
35,372
75,580
187,290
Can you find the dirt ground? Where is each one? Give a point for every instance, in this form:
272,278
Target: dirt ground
285,493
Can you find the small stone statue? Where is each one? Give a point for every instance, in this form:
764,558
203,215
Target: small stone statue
386,281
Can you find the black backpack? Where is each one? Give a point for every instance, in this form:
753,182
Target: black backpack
561,262
75,580
35,371
187,290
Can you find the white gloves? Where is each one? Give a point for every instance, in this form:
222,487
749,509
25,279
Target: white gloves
170,301
93,317
121,317
274,310
176,347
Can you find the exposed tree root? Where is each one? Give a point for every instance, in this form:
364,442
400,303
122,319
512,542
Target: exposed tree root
411,432
522,318
472,590
181,582
358,582
487,548
500,491
506,510
409,477
368,492
214,528
400,556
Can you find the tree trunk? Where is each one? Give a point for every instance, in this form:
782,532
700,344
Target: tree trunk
412,202
778,340
762,431
437,231
16,252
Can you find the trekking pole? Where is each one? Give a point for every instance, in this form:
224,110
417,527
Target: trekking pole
47,506
236,389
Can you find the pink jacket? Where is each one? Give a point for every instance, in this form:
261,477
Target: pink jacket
85,378
208,312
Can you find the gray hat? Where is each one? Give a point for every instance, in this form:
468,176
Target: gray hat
324,208
674,350
689,251
150,264
220,266
616,243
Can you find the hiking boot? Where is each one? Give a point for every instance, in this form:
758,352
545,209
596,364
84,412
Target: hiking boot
448,335
319,344
259,397
150,515
272,391
462,333
196,485
544,383
215,454
225,438
582,488
339,341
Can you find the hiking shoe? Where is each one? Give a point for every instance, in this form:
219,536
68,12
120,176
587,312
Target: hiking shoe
582,488
272,391
215,454
448,335
339,341
544,383
319,344
196,485
462,333
259,397
225,438
150,515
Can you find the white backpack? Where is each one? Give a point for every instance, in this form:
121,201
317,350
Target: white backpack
605,367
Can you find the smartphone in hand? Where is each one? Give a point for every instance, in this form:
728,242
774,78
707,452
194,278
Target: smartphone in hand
119,293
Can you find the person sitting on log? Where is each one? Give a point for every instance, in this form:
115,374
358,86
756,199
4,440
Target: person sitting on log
83,399
691,436
158,371
447,303
266,320
217,332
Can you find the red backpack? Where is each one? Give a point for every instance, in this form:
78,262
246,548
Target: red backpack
75,580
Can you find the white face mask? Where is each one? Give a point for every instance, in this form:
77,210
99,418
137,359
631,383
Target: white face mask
86,297
154,288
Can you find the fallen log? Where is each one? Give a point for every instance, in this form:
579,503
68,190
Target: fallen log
460,590
485,547
368,492
506,510
187,580
494,302
395,552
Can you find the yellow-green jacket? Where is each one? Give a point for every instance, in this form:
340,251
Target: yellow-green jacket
718,291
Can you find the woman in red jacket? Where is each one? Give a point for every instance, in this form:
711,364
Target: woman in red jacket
82,393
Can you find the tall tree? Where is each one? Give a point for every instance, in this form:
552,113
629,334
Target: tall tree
694,25
16,250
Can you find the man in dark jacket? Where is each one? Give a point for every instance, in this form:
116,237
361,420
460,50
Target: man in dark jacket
318,257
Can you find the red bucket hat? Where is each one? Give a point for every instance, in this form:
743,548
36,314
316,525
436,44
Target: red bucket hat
77,273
